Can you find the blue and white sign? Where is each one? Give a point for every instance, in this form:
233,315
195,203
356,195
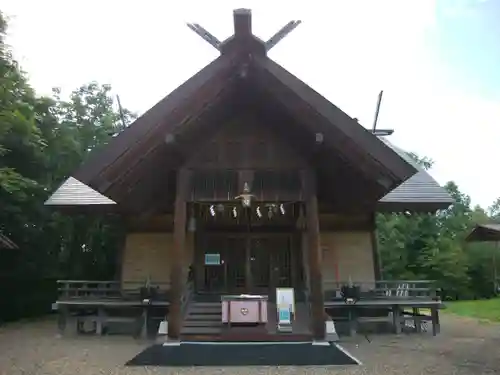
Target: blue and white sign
284,315
212,259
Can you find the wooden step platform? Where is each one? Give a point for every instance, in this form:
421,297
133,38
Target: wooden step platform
248,337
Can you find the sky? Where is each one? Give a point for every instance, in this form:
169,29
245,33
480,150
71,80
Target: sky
436,60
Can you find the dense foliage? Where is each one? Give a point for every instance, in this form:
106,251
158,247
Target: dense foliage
43,139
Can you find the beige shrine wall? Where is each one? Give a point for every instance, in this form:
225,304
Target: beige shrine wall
148,255
347,254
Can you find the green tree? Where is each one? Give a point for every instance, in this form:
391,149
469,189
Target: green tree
42,141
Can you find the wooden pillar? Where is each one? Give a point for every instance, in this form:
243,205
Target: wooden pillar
377,262
314,255
177,274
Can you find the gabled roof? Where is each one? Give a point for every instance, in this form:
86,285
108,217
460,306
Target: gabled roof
484,233
6,243
74,193
243,66
421,192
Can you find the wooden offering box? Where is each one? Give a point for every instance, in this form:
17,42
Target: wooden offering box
244,309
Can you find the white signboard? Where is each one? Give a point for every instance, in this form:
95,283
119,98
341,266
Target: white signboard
285,297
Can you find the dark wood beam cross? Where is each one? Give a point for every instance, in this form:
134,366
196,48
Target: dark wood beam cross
242,30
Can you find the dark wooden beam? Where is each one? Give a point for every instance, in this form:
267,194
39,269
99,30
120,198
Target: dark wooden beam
367,152
174,105
125,169
314,255
177,281
377,261
332,163
120,256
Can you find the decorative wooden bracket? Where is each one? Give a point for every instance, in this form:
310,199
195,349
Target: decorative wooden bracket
243,29
207,36
282,33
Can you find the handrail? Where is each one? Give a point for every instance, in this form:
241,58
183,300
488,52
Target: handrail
186,297
389,289
69,289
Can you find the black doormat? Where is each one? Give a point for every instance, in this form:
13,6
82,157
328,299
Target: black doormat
266,354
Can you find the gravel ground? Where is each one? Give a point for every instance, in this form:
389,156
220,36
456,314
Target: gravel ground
464,347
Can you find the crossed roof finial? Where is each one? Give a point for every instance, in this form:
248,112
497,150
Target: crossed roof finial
243,29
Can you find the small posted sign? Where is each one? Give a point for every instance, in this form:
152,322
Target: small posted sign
212,259
284,315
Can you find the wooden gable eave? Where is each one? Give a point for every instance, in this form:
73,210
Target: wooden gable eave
7,243
484,233
365,151
420,193
167,115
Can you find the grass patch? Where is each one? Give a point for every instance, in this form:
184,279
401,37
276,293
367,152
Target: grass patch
484,310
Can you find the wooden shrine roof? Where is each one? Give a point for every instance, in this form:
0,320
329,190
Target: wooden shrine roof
484,233
161,136
243,66
421,192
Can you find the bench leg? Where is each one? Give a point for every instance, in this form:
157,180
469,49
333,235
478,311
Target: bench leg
62,319
144,330
396,319
353,322
99,322
417,320
436,327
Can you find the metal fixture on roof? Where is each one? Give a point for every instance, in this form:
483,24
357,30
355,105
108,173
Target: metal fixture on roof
375,131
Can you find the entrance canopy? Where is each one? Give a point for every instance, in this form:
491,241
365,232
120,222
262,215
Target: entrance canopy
484,233
141,161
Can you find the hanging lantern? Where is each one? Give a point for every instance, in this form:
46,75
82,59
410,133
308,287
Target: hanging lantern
212,210
235,212
246,197
282,208
258,212
270,212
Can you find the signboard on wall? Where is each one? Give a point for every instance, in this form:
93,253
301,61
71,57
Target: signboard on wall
212,259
